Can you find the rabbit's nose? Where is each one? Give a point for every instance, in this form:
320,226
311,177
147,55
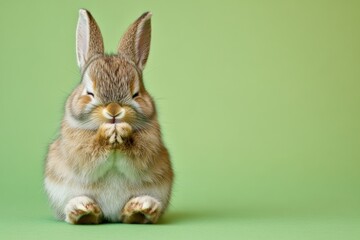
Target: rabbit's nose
113,110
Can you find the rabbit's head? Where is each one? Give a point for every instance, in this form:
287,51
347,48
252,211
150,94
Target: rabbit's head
111,89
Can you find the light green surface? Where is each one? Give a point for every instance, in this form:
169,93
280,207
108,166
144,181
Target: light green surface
258,100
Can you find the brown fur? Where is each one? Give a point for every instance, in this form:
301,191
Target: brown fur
114,77
113,109
137,47
96,44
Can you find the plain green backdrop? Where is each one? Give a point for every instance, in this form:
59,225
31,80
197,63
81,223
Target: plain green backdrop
258,102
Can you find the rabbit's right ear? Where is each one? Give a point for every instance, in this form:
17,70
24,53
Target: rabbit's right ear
89,41
135,43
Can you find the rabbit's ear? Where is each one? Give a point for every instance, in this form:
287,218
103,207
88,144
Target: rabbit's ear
89,41
135,43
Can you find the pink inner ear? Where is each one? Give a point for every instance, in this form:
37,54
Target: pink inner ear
82,38
89,40
135,43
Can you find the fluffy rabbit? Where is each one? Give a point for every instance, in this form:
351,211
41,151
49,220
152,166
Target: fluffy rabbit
109,163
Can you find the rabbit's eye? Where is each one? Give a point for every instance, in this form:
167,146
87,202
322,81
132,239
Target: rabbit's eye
135,95
90,93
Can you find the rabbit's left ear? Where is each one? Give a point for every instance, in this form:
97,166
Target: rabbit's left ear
135,43
89,41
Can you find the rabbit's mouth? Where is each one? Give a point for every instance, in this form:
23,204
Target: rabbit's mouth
112,117
114,120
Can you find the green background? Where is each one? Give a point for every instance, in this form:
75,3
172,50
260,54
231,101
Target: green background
258,102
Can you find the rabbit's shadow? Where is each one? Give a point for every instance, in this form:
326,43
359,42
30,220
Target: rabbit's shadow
240,213
173,217
187,216
208,215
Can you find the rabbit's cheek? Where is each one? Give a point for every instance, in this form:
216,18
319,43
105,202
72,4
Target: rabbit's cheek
84,101
146,106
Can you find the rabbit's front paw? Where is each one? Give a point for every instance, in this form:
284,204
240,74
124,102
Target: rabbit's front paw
123,131
143,209
107,133
114,133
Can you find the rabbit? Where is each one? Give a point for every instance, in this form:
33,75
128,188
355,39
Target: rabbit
109,162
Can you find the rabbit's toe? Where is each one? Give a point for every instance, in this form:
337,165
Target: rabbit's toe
108,132
143,209
83,210
123,131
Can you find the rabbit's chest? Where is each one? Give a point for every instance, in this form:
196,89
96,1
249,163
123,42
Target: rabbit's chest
118,166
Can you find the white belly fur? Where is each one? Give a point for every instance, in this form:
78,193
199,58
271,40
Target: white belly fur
116,182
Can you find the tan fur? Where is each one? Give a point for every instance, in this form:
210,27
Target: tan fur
113,109
136,44
111,164
96,45
90,214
